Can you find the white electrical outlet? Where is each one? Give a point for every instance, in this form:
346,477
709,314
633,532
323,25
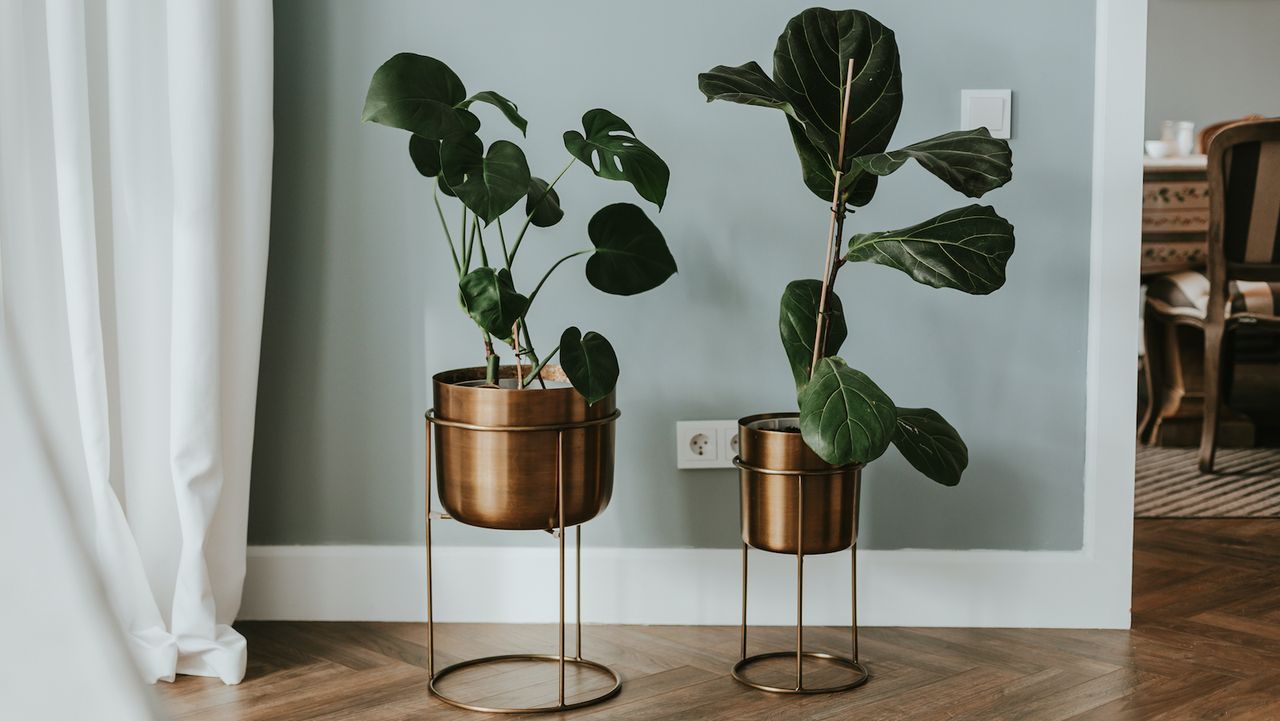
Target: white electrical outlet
706,444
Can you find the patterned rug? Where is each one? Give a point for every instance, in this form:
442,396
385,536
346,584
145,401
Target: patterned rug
1169,484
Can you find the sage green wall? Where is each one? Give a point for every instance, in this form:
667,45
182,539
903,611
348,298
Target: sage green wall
361,304
1210,60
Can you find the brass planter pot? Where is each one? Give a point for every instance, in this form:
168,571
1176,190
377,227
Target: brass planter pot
493,476
773,456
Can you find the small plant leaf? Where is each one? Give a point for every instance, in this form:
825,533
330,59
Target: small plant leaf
931,445
844,416
489,184
611,149
747,84
970,161
798,325
425,153
542,203
966,249
630,255
589,362
419,94
490,298
507,107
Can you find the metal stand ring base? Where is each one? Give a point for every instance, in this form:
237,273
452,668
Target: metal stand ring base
552,658
740,676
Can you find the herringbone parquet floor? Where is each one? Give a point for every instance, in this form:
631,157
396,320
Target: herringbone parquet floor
1205,645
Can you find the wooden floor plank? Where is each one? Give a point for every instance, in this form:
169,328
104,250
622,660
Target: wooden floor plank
1205,644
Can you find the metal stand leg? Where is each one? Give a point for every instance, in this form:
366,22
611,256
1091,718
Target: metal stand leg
431,637
560,505
577,590
799,583
743,652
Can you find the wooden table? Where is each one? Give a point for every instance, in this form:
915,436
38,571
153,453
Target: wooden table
1175,213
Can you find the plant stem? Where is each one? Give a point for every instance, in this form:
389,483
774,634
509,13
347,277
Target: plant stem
466,245
506,257
435,196
484,255
835,229
537,370
533,355
550,270
529,218
490,361
471,241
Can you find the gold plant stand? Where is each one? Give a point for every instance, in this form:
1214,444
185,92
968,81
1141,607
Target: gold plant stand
861,675
560,657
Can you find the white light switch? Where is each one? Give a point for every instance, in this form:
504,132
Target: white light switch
990,109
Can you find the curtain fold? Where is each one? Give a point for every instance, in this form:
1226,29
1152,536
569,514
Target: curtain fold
160,137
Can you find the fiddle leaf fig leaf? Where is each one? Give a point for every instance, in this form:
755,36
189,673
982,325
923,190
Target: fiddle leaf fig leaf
507,107
820,178
489,184
419,94
589,362
542,204
798,325
630,255
966,249
425,153
970,161
844,416
931,445
611,149
810,63
746,84
490,298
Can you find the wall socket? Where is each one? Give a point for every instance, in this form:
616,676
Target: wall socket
706,444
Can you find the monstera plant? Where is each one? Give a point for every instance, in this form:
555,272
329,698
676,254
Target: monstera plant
837,81
628,254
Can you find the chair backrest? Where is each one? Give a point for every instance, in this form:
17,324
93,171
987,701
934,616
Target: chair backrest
1244,210
1205,136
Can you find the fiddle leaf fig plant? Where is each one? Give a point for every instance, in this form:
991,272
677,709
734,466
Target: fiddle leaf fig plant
838,82
628,254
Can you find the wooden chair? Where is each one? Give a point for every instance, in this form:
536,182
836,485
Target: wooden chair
1244,252
1207,133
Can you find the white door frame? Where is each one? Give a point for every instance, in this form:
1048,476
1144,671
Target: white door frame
1115,256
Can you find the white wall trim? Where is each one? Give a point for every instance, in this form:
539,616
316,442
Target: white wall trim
1111,382
682,586
1090,588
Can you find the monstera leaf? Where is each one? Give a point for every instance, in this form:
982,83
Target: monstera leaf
490,298
971,161
810,63
542,204
589,362
507,107
630,254
844,416
611,149
798,325
931,445
489,184
419,94
966,249
425,154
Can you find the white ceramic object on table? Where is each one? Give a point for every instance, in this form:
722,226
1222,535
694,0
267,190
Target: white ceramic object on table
1159,148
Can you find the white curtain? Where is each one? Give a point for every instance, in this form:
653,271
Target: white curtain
135,181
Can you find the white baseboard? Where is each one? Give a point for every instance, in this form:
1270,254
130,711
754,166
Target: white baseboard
1034,589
